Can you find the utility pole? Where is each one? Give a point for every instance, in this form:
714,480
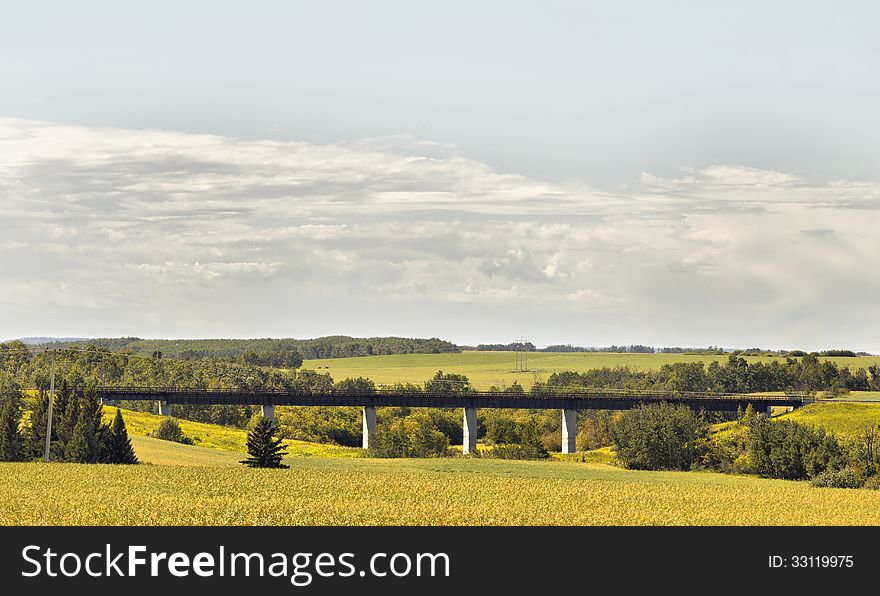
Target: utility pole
51,404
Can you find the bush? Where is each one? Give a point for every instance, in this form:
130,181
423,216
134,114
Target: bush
501,428
872,483
659,437
845,478
169,430
410,437
791,451
512,452
743,464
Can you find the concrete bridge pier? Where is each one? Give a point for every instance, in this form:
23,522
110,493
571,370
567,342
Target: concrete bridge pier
369,426
268,411
569,431
106,401
469,444
164,408
769,411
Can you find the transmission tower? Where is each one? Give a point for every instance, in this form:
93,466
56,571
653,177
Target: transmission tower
521,354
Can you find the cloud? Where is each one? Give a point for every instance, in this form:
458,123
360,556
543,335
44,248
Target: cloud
111,231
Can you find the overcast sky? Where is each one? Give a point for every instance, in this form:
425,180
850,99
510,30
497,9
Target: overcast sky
675,173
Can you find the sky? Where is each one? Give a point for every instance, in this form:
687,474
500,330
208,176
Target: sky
672,174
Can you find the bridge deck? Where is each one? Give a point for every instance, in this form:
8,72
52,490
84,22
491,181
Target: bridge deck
599,399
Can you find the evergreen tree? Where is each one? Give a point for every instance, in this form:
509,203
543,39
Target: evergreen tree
119,449
264,448
36,436
64,418
85,444
12,445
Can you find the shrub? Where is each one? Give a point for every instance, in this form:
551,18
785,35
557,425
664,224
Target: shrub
169,430
791,451
500,428
872,483
845,478
743,464
410,437
513,451
659,437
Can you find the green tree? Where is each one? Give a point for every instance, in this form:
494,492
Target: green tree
392,441
264,447
427,442
501,428
119,449
792,451
36,435
169,430
531,444
65,415
447,383
12,445
659,437
86,444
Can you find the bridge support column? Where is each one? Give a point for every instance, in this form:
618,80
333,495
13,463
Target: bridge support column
469,444
369,426
268,411
769,411
569,431
164,408
106,401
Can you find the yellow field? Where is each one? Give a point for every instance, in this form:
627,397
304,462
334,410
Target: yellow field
485,369
422,492
844,419
216,437
167,453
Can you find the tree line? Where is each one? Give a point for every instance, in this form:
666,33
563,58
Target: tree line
674,437
268,351
736,375
78,431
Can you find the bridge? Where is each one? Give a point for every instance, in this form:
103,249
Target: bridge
569,402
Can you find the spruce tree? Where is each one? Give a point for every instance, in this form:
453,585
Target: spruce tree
264,448
36,436
64,417
85,445
119,450
12,445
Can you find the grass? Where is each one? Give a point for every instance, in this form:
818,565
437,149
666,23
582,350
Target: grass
168,453
205,484
319,491
223,438
485,369
845,419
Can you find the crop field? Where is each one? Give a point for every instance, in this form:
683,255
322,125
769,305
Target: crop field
414,492
485,369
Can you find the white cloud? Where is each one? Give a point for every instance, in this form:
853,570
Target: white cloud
180,234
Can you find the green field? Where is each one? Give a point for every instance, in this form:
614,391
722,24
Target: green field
485,369
448,491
